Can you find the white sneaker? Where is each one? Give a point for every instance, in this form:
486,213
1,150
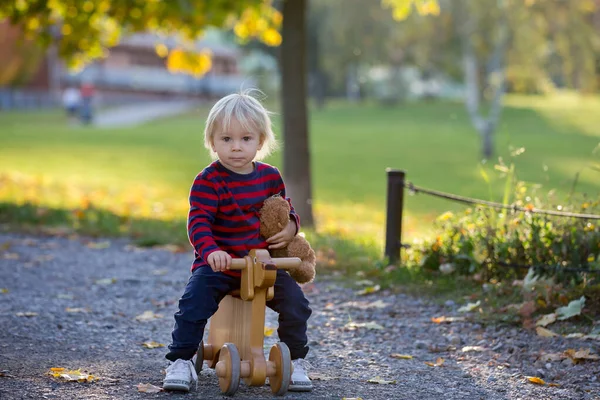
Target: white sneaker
180,375
300,381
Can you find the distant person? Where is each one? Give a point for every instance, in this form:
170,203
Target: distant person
71,99
87,97
223,222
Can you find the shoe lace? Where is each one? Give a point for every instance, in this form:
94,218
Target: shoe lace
181,365
301,363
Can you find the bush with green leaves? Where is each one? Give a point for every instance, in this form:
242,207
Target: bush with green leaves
482,240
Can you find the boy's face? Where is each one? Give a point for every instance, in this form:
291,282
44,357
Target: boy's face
236,147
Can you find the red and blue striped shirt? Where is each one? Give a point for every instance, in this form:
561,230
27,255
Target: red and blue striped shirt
224,210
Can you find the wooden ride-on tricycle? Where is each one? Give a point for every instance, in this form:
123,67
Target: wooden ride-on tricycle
236,331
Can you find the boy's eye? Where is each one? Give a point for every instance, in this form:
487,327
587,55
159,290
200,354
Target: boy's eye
225,139
247,138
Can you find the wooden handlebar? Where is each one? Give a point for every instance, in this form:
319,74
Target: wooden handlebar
281,263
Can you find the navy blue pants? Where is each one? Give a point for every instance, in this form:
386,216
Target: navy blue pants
201,299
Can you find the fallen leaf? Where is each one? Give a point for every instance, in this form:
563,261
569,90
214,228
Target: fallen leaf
541,331
381,381
467,349
572,309
72,376
364,305
369,290
4,374
546,320
152,344
580,355
65,296
106,281
470,306
575,335
438,363
99,245
148,388
536,380
442,319
26,314
554,384
316,376
148,316
269,330
401,356
3,290
367,325
77,310
11,256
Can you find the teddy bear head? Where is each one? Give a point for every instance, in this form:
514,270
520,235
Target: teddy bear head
275,214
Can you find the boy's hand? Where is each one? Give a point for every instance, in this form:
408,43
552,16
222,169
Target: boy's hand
283,238
219,260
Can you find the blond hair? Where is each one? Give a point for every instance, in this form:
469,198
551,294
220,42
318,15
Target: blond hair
251,115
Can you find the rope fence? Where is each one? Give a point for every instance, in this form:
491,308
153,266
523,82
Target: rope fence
396,183
498,206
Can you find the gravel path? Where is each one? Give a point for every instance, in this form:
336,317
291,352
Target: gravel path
73,303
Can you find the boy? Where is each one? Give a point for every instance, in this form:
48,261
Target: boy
223,221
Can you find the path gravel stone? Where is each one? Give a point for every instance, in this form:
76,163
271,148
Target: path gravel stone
73,303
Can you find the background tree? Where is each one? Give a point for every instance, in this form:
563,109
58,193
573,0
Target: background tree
19,58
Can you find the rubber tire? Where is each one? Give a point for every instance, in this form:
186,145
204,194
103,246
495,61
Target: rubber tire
280,355
231,356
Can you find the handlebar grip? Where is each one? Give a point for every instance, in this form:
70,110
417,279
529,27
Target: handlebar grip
238,263
284,263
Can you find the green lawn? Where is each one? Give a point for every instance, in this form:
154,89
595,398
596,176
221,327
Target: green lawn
43,158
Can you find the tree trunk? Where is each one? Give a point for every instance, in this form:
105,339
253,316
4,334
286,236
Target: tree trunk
296,151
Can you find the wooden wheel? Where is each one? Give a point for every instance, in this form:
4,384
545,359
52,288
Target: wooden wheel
199,358
228,369
280,355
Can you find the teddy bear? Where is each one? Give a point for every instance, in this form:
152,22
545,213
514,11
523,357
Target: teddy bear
274,216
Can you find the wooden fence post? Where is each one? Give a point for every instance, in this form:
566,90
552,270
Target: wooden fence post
395,200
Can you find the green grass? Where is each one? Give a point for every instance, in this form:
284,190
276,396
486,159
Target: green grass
64,166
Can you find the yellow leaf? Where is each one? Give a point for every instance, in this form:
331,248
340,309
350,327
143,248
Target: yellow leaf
536,380
401,356
369,290
148,388
72,375
546,319
269,330
271,37
161,50
3,290
545,332
438,363
152,345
